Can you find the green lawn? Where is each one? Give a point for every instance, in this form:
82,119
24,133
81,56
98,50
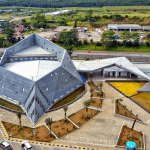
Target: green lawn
91,47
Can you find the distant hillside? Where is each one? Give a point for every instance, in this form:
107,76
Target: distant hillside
73,3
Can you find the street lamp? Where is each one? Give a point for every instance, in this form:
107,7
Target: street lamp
141,143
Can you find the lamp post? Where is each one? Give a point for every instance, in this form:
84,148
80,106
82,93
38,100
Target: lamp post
141,143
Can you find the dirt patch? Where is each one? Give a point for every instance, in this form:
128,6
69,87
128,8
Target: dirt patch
61,127
42,133
96,102
125,137
122,110
143,99
79,117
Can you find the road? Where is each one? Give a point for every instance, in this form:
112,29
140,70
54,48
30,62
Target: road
99,55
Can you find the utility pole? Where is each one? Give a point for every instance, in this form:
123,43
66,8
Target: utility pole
14,12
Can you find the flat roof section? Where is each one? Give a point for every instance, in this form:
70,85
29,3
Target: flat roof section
33,70
34,50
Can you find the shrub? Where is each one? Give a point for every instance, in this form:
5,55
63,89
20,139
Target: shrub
53,40
91,40
85,41
80,43
98,44
147,43
129,44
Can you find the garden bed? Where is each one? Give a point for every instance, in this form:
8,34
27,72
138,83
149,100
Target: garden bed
10,105
96,102
128,88
61,127
79,117
42,133
124,137
69,98
122,110
143,99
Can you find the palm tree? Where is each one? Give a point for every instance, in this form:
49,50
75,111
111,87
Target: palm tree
86,104
91,90
19,117
91,75
65,108
133,127
100,84
49,122
118,100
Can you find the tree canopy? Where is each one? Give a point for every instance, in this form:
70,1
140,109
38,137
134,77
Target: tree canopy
72,3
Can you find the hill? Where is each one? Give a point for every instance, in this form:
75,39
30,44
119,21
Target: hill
72,3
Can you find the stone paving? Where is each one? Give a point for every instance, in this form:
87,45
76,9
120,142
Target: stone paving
104,128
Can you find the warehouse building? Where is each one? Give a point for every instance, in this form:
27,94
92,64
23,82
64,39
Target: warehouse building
125,27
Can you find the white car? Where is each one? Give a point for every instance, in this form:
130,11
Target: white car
5,145
26,145
74,55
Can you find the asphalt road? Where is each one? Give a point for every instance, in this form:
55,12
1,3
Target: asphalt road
96,55
101,54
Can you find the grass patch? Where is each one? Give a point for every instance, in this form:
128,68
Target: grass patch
128,88
122,110
124,137
92,47
143,99
10,105
69,98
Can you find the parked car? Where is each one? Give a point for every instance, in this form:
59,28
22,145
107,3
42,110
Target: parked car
26,145
74,55
5,145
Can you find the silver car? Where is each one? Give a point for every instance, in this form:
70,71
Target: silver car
5,145
26,145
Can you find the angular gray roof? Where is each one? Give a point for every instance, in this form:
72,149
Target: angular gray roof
37,73
145,88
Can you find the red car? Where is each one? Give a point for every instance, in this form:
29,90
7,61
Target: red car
89,52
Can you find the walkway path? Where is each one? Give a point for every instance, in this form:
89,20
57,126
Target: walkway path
104,128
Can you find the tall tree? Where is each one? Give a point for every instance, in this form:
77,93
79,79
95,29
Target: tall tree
69,39
108,37
9,33
125,35
132,127
49,122
91,91
91,75
86,104
65,108
19,117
